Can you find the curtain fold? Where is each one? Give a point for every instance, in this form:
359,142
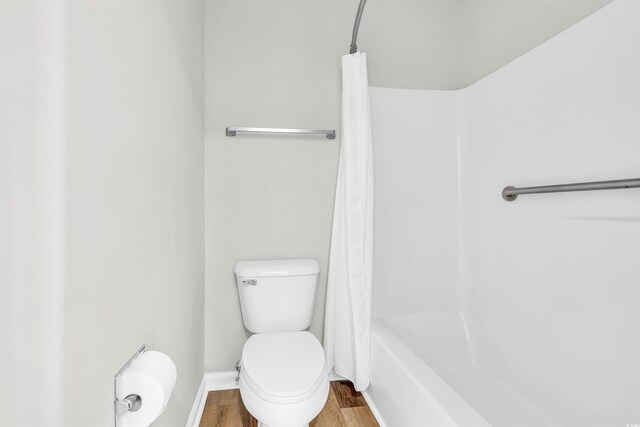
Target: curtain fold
348,306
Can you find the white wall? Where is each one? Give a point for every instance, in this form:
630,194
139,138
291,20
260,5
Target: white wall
268,64
493,33
102,184
32,191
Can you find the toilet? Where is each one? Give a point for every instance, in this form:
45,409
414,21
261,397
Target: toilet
283,377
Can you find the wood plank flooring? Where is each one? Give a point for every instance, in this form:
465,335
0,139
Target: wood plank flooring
345,407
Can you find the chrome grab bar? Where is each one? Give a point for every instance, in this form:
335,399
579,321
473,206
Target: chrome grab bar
511,193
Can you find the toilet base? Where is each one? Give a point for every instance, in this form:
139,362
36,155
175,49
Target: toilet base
284,415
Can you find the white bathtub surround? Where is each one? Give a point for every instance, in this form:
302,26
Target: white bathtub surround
348,303
554,278
529,315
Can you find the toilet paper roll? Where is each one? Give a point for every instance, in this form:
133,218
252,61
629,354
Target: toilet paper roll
152,376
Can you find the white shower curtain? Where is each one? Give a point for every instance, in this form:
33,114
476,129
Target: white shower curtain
348,307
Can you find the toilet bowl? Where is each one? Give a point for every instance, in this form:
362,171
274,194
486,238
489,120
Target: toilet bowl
283,378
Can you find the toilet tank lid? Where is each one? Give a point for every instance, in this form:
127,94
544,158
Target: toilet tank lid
277,268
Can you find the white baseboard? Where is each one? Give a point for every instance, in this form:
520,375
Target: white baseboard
211,381
198,405
221,380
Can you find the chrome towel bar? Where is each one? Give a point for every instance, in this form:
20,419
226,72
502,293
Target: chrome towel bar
511,193
329,134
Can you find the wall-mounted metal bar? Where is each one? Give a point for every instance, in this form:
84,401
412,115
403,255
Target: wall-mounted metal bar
329,134
511,193
356,26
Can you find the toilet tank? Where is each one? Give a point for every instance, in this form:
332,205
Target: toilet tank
277,296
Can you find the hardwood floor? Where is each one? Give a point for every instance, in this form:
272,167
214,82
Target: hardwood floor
225,409
345,407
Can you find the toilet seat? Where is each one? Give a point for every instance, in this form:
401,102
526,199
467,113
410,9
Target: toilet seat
283,378
283,367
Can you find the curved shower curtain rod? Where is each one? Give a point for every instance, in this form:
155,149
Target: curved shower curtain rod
356,25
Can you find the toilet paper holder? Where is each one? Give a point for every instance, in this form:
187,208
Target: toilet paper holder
131,403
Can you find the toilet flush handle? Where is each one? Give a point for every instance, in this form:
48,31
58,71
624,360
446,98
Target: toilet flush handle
251,282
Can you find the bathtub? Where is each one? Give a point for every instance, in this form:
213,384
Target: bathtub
424,373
